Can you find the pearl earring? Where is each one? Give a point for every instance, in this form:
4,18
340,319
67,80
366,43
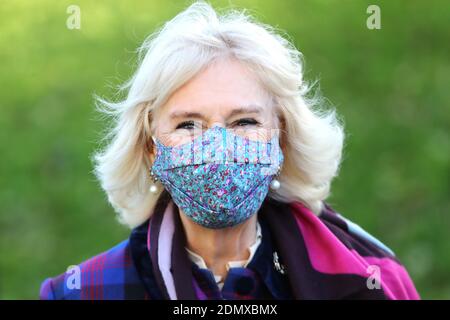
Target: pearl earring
153,188
275,184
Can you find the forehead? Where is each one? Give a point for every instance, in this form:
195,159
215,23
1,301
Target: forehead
224,85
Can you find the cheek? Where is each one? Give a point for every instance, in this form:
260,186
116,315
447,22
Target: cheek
274,123
175,139
268,129
171,137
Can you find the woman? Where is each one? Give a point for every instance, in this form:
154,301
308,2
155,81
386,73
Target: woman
221,168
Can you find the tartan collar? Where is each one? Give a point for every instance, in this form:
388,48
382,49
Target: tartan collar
171,267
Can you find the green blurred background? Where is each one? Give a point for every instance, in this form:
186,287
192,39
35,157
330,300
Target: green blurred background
391,86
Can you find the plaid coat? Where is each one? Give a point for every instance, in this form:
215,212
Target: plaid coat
325,257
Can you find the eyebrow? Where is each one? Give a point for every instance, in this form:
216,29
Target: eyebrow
234,112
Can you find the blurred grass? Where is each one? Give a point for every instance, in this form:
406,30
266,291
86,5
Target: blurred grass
389,85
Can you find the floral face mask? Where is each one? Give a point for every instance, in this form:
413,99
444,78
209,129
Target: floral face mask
218,179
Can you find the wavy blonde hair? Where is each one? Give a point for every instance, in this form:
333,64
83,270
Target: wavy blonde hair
312,138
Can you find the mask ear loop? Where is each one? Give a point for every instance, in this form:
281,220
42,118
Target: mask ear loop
153,187
275,184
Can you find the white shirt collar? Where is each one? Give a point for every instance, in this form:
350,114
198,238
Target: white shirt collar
200,262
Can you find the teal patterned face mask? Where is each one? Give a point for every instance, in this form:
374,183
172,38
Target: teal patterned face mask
218,179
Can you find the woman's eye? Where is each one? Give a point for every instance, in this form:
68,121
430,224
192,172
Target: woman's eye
245,122
186,125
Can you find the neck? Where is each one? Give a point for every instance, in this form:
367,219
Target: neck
218,246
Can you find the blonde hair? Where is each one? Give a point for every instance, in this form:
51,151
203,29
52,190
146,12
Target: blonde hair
312,138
